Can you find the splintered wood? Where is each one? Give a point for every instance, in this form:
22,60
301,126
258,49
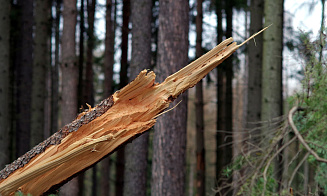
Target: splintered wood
98,132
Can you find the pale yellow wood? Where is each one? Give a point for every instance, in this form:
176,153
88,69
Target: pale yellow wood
135,109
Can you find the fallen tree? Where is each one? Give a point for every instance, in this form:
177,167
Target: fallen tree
101,130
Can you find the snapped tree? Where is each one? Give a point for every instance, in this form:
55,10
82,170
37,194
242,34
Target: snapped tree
99,131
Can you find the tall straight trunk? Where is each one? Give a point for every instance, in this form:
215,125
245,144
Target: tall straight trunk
69,78
108,83
220,98
124,44
109,48
4,82
200,150
120,164
88,84
23,66
55,72
80,88
229,87
169,142
272,102
40,65
228,64
81,63
254,72
136,153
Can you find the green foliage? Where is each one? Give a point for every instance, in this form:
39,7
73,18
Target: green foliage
312,121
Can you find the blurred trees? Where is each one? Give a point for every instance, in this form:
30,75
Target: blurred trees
200,148
4,82
84,72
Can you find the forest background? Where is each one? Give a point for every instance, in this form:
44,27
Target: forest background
231,134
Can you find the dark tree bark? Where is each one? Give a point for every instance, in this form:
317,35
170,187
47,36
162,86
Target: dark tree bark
4,82
120,164
200,149
23,63
169,142
221,89
69,77
229,87
109,48
108,82
40,66
254,71
88,83
55,72
81,58
124,44
80,89
136,153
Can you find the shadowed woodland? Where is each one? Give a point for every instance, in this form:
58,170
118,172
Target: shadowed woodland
255,125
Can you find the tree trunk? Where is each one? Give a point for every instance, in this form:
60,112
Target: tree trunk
221,78
23,67
40,65
88,83
169,142
136,153
69,77
200,147
228,65
55,72
102,129
81,58
108,83
272,102
120,164
254,73
4,82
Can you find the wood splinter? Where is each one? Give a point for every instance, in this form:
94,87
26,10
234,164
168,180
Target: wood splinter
99,131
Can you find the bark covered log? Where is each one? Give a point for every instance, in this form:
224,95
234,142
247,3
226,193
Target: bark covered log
99,131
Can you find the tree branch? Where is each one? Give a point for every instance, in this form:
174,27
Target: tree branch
299,136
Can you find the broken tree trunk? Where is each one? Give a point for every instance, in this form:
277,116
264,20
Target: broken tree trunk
99,131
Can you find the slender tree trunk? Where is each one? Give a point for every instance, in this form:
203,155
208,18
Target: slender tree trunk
220,98
169,142
109,48
228,140
23,65
136,153
254,72
272,102
69,78
88,84
81,100
124,44
4,82
55,72
40,64
108,83
120,164
200,150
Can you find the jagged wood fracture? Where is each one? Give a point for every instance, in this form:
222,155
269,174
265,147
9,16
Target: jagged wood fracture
99,131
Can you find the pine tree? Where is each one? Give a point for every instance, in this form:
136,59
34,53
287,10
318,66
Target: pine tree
169,142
